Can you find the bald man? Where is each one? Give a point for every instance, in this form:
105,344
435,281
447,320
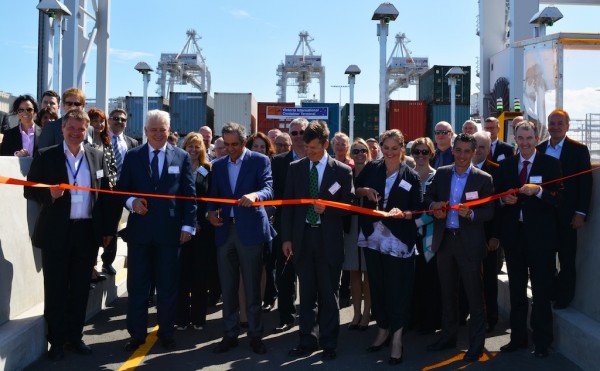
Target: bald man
443,140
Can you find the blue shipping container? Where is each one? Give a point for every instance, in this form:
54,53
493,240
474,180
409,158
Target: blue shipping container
333,122
442,112
135,107
190,111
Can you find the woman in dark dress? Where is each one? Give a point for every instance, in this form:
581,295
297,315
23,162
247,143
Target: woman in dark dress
192,299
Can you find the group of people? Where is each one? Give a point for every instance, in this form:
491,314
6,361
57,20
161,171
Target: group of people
426,242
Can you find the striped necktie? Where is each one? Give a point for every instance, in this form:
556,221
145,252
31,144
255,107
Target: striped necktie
118,154
313,189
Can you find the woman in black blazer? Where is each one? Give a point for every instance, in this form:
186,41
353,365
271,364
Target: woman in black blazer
13,143
390,243
194,259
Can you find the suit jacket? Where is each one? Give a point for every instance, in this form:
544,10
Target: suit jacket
4,122
251,223
52,225
472,232
574,158
446,157
52,134
539,214
130,142
162,224
13,142
411,199
294,216
280,165
502,148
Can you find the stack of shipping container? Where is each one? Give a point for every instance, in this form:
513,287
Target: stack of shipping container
435,91
366,120
235,107
135,112
190,111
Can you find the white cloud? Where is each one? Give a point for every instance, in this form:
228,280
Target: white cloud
581,101
240,13
128,55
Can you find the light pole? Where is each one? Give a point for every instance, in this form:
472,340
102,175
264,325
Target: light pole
144,69
385,13
351,71
453,74
56,11
340,87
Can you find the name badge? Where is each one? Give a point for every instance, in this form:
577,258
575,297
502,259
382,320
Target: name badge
99,174
535,179
471,195
173,169
76,199
334,188
202,170
172,212
405,185
500,158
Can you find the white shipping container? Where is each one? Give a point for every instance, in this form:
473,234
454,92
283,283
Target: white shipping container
235,107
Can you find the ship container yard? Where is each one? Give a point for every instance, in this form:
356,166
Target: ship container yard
135,112
190,111
265,124
235,107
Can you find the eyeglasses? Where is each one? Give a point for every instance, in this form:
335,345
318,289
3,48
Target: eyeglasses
295,133
442,132
28,109
423,152
119,119
76,104
357,151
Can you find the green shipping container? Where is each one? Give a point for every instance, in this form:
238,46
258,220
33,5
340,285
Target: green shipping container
434,88
366,120
441,112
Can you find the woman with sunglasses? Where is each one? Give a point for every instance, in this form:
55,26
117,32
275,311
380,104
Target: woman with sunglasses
354,258
22,140
390,242
427,304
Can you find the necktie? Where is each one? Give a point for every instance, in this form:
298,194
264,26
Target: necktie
523,173
490,155
313,189
154,168
118,155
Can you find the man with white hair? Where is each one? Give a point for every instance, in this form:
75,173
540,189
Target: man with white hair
207,135
273,134
469,127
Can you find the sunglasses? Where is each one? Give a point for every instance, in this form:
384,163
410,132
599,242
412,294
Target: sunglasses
28,109
442,132
76,104
358,151
119,119
295,133
423,152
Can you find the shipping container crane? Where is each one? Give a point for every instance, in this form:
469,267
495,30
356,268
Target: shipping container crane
189,66
403,69
299,69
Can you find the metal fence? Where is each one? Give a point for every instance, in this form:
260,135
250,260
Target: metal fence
587,131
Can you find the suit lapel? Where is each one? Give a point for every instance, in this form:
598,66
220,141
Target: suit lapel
145,160
328,176
244,168
469,185
169,156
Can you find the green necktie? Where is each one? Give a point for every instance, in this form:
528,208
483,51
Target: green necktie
313,189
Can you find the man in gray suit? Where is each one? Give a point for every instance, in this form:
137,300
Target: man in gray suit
314,235
459,241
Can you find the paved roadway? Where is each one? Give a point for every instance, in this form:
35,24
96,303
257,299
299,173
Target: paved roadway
106,334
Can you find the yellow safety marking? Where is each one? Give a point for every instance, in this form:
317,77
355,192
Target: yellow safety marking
138,356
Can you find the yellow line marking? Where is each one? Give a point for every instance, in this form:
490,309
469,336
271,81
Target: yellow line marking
138,356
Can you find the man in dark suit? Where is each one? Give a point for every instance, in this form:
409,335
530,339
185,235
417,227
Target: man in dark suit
70,227
490,263
285,274
499,150
459,241
156,227
574,158
72,98
443,145
314,236
4,122
117,122
528,233
241,230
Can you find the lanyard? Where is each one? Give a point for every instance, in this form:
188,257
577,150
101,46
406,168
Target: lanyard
74,174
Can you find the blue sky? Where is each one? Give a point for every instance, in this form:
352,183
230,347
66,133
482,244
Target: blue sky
244,42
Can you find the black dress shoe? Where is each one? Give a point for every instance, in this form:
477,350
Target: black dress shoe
283,328
258,346
513,346
267,308
471,357
56,352
168,343
395,361
225,344
78,347
328,354
540,352
109,269
353,326
377,348
301,351
441,344
133,344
